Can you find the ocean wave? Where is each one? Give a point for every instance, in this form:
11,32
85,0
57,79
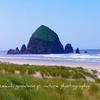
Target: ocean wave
56,57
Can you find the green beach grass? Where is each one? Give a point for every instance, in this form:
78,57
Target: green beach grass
65,84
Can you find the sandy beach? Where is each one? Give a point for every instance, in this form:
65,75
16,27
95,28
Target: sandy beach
88,66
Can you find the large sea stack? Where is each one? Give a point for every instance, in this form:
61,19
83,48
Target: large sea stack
44,41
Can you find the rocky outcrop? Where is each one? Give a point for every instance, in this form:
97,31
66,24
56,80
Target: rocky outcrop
23,49
85,51
77,51
44,41
13,51
69,48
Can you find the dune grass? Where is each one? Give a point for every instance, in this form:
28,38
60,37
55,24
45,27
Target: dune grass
24,86
54,71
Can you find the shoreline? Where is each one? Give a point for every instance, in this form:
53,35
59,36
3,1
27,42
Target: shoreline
56,63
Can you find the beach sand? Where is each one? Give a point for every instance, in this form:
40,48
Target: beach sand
57,63
88,66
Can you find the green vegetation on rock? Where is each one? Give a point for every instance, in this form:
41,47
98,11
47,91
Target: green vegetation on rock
45,33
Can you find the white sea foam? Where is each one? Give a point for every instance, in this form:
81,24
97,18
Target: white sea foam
57,57
84,56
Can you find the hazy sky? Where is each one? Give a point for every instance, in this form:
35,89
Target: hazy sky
75,21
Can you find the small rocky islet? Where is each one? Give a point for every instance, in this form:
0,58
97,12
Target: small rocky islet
43,41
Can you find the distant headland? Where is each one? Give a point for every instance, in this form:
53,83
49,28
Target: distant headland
44,41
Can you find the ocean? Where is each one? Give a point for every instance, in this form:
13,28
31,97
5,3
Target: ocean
92,56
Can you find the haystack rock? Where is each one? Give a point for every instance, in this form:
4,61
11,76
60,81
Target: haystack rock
44,41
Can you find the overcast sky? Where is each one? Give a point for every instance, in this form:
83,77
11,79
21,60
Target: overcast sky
75,21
